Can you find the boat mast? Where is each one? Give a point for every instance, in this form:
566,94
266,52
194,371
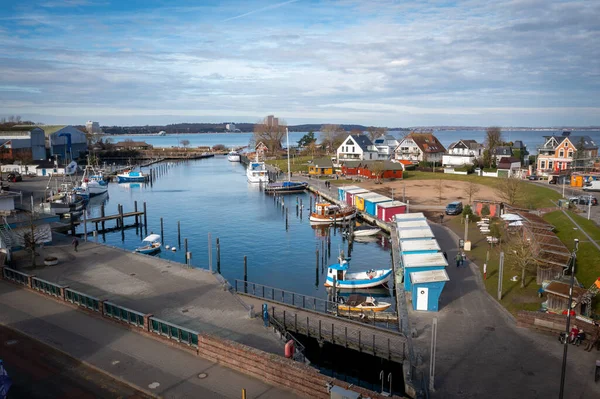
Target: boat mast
287,139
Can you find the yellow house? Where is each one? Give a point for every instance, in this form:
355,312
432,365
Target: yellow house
321,166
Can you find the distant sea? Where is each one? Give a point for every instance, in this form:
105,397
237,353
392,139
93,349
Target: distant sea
532,139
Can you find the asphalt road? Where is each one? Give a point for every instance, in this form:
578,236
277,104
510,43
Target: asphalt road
39,372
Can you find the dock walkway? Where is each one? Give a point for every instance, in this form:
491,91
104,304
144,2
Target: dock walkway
191,298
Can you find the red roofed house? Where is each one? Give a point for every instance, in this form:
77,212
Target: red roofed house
419,147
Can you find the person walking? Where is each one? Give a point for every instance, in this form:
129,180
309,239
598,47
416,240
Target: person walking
458,259
594,340
75,243
463,257
445,255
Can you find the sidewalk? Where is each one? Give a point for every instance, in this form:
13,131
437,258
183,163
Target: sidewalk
141,362
480,351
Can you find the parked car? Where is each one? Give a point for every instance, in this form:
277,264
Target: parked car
534,177
454,208
14,177
583,200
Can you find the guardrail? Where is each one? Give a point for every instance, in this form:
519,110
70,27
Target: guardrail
173,331
285,334
15,276
83,300
124,314
46,287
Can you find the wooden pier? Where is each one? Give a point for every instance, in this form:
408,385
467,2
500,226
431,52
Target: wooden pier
325,327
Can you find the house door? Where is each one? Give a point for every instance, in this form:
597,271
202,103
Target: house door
422,297
43,172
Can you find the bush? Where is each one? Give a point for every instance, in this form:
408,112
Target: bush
468,211
490,170
465,168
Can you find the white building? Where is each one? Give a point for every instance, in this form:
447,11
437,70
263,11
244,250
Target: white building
463,152
357,147
385,144
92,127
419,147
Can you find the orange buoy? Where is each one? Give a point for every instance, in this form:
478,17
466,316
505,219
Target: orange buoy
289,349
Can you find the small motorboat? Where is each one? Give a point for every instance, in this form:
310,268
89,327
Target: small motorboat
330,213
233,156
345,280
130,176
365,231
150,245
286,187
361,303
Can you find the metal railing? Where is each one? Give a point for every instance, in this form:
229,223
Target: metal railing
124,314
46,287
15,276
83,300
173,331
285,334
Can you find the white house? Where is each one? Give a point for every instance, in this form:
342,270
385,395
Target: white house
509,166
419,147
501,152
357,148
463,152
385,144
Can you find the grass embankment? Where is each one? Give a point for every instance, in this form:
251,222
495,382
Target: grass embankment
514,298
297,164
532,197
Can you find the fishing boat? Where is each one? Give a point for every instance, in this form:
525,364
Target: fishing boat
361,303
345,280
93,181
330,213
365,231
150,245
287,186
233,156
130,176
257,172
64,203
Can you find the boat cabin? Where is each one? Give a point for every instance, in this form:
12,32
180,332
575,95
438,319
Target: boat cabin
338,271
326,209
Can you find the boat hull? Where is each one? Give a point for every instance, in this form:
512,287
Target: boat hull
341,217
360,283
286,187
131,179
233,157
380,308
366,233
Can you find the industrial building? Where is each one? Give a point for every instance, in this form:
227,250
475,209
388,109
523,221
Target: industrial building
22,142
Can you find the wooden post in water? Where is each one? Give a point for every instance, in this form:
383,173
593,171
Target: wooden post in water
317,268
178,233
310,203
245,274
162,239
85,224
322,255
145,219
135,209
186,251
286,218
218,256
121,217
210,252
102,216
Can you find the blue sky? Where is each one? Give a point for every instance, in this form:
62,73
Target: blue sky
385,63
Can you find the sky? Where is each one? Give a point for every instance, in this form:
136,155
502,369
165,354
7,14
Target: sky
382,63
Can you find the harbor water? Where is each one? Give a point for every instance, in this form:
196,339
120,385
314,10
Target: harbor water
212,196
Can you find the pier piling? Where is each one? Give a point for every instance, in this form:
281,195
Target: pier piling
72,223
145,219
209,252
245,274
85,225
218,256
102,215
162,235
179,233
286,218
317,269
122,221
186,251
135,209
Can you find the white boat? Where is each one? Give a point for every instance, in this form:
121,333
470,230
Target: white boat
233,156
257,172
365,231
330,213
130,176
93,181
345,280
150,245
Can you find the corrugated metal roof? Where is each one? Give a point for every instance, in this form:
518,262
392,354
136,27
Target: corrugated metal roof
429,276
368,195
411,224
415,233
357,191
424,260
379,198
344,188
410,216
391,204
419,245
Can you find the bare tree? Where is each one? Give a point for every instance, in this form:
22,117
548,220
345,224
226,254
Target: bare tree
185,143
471,190
356,132
520,255
330,134
510,189
270,131
439,188
377,169
374,132
31,237
493,139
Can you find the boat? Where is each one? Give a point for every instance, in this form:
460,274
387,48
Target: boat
130,176
64,203
345,280
257,172
365,231
287,186
326,212
93,181
150,245
233,156
361,303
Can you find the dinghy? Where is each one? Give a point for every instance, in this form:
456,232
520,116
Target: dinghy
150,245
361,303
345,280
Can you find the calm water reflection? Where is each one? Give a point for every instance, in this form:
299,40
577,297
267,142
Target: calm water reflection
212,196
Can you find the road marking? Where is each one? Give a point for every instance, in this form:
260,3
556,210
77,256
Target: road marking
115,362
154,385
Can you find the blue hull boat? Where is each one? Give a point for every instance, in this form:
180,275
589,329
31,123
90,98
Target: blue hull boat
344,280
131,177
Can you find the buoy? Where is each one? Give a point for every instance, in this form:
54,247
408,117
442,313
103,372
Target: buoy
167,247
173,249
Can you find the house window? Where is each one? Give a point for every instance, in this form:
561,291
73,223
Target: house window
352,148
566,144
570,153
542,164
561,153
550,163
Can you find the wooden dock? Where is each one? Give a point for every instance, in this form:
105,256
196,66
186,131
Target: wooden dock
299,318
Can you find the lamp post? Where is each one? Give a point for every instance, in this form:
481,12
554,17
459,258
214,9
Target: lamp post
564,362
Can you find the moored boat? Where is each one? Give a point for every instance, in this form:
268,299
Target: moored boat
233,156
93,182
330,213
366,279
257,172
150,245
130,176
365,231
361,303
287,186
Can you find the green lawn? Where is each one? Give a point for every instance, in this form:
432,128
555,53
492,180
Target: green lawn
298,164
514,298
534,196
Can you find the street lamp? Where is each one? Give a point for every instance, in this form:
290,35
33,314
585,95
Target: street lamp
564,362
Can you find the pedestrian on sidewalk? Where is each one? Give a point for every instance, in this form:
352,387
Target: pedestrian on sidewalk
463,257
458,259
445,255
75,243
